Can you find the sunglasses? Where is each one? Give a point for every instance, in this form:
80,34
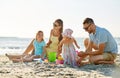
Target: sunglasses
55,25
87,27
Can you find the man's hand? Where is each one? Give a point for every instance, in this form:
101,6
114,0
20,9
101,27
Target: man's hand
82,54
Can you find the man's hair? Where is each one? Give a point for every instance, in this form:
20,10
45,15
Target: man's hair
88,20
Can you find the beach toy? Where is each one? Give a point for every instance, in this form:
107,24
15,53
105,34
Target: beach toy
59,61
46,60
60,58
40,60
52,56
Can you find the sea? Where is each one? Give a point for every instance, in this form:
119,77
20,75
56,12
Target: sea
18,45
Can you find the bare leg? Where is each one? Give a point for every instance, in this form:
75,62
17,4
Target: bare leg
84,63
14,56
28,60
98,59
44,54
86,42
17,60
105,62
22,59
81,54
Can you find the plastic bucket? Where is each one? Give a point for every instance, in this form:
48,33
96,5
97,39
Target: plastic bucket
52,56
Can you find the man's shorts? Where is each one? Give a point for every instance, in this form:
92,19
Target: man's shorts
109,56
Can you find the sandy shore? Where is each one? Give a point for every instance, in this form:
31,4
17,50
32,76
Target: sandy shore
8,69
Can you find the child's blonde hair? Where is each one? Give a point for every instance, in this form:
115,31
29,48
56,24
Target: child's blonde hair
38,34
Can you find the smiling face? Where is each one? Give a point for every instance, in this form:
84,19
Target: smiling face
57,26
58,22
39,36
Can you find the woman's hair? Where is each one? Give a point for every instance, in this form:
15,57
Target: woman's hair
38,34
60,22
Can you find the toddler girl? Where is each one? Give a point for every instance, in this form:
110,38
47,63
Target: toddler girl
68,49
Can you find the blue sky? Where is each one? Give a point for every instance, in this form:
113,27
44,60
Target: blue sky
23,18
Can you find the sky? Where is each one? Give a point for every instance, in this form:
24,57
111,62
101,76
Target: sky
23,18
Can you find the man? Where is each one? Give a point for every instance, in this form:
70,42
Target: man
103,43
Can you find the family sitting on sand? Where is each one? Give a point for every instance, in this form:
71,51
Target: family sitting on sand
101,47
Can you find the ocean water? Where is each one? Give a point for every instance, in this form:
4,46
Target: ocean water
18,45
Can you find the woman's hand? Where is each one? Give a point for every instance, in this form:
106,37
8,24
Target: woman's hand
47,46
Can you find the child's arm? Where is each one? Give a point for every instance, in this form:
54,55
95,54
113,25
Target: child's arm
29,48
75,42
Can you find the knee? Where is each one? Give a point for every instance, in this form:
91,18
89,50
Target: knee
86,41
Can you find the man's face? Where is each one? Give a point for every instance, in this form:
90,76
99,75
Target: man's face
88,27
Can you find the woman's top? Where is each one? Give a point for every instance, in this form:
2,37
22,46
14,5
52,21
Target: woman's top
53,47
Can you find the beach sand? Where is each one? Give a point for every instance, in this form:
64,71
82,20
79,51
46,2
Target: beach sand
8,69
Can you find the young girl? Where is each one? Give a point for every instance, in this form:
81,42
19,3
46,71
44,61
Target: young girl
37,45
68,49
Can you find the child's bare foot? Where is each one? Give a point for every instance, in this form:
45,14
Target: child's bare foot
8,56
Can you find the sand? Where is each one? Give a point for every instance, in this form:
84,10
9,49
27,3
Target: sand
35,69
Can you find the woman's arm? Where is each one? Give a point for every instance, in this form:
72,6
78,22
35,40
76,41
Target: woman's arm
29,48
49,42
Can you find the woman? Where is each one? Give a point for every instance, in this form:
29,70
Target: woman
55,36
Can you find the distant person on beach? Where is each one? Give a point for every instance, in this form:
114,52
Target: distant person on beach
55,36
38,45
103,43
67,48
